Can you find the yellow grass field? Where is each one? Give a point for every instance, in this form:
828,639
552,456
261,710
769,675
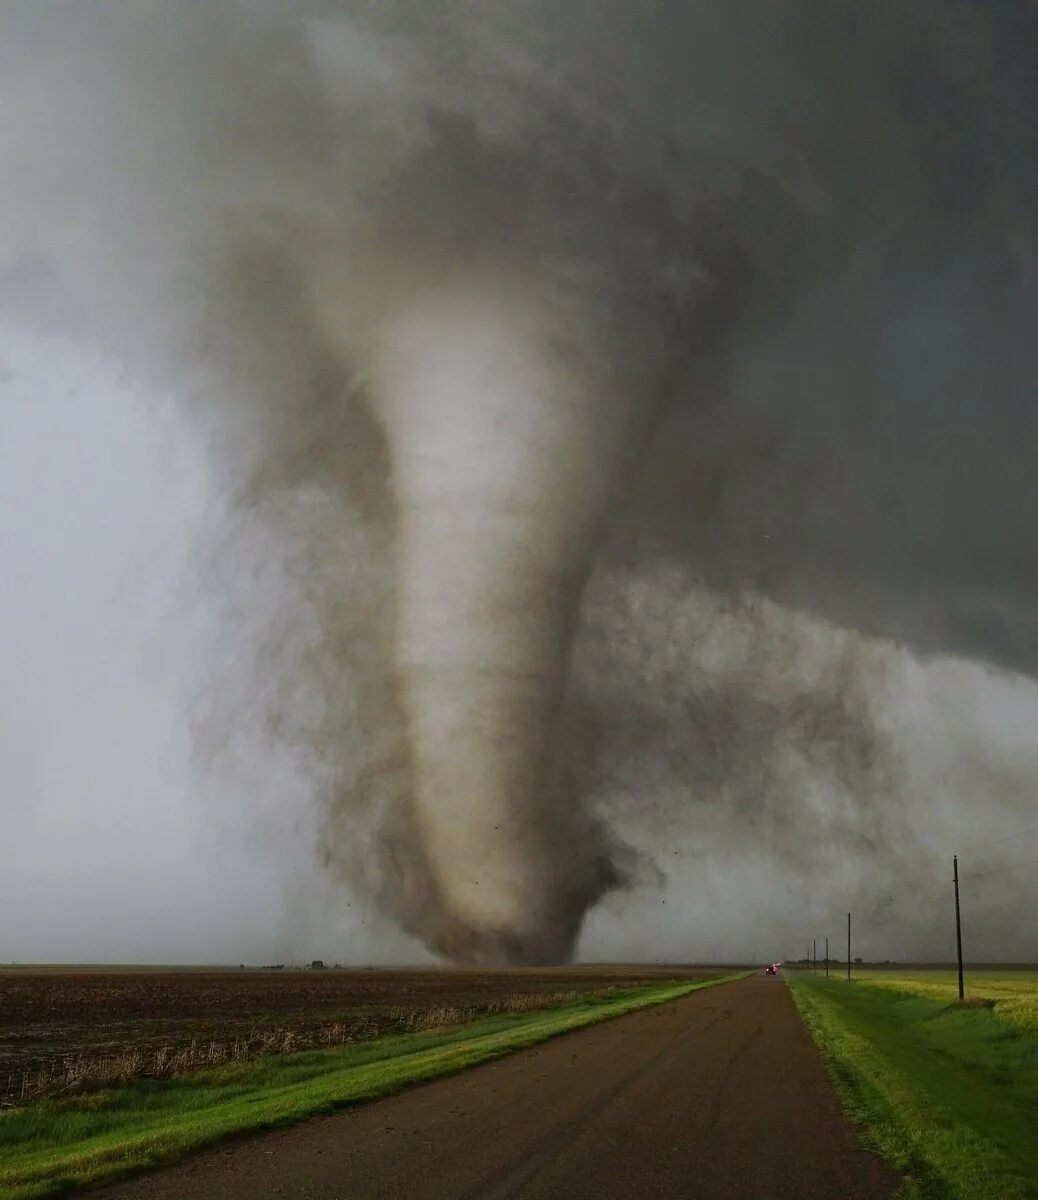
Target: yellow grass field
1013,994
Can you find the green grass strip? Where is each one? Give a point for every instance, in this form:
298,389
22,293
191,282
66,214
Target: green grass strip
948,1095
1012,995
55,1145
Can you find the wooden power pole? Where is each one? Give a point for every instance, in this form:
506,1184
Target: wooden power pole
958,925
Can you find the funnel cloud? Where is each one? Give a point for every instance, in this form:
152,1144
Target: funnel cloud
545,342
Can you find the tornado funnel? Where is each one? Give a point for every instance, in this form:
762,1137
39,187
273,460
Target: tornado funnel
505,445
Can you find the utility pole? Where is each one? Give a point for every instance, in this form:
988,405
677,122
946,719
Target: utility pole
958,926
827,958
848,946
814,955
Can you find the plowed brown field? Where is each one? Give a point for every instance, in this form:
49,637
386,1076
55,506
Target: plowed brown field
61,1025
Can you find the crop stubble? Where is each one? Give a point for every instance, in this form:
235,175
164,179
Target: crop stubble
63,1030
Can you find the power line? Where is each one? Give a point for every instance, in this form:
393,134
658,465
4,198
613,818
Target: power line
998,870
998,841
957,878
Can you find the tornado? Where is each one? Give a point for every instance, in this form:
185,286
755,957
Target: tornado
477,302
506,442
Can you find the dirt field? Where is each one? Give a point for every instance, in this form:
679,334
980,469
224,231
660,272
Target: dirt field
62,1026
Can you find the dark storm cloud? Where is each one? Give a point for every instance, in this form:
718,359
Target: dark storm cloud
495,293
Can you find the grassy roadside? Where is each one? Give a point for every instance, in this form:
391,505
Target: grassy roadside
54,1145
948,1095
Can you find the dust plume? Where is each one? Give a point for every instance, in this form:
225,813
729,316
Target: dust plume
480,302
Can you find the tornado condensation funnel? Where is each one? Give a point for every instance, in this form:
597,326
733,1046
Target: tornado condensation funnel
503,455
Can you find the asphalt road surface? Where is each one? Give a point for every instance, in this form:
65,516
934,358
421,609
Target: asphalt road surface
721,1095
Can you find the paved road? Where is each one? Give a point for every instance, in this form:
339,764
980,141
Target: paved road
720,1095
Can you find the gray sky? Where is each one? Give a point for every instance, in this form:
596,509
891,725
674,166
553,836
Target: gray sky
118,843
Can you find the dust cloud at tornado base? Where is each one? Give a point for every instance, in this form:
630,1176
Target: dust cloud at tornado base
755,771
668,344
